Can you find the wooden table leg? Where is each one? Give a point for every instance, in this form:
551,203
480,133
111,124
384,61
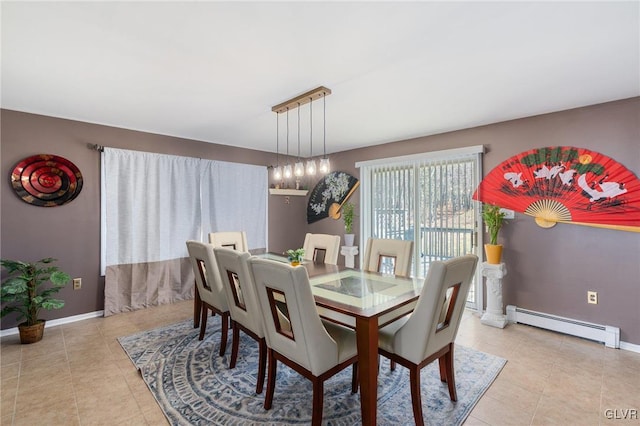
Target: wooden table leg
197,307
367,338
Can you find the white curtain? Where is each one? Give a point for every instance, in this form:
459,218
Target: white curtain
153,204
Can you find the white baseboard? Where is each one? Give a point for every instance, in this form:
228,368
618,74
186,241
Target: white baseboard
606,334
59,321
630,347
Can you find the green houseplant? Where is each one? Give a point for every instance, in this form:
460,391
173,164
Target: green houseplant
348,212
494,220
295,256
23,291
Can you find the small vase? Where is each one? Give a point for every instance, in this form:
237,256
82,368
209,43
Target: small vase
295,262
348,239
493,253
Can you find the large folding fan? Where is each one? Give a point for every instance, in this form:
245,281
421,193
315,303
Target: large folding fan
329,194
565,184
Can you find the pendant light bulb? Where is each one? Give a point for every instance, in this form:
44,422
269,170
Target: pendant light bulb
298,169
311,167
277,173
325,167
287,171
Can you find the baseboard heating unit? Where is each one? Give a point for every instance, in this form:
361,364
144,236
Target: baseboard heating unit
608,335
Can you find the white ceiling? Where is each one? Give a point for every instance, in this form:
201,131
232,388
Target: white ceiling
211,71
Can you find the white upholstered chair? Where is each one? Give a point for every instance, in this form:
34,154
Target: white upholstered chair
243,305
209,287
429,332
388,256
322,248
236,240
314,349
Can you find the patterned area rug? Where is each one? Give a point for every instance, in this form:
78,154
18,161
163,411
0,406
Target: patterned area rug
194,386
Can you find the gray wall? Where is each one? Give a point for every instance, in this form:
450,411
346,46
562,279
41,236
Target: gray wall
550,270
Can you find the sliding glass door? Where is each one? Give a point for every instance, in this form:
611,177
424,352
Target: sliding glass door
425,198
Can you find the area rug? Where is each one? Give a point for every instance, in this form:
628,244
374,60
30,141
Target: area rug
194,385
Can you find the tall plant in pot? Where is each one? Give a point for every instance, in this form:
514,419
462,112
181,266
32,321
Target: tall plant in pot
348,212
23,291
494,220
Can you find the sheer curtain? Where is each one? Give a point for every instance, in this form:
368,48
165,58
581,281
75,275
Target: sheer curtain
152,204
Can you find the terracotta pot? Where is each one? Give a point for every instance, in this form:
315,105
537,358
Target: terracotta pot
31,333
493,253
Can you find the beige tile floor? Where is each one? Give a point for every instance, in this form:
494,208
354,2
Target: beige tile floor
79,375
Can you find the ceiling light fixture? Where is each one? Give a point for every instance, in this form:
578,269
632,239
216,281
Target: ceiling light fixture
307,98
287,167
324,163
298,168
277,171
311,163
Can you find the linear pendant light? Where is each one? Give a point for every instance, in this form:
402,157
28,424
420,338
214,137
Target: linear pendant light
299,169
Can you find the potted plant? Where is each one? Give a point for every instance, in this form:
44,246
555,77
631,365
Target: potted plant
295,256
494,219
348,211
23,292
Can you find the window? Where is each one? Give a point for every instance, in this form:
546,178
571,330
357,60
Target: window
425,198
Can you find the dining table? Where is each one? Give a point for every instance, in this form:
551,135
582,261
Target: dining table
363,301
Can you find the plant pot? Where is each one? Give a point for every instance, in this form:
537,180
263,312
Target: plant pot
31,333
294,263
493,253
348,239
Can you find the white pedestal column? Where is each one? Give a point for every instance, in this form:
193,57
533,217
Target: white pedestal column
349,253
494,315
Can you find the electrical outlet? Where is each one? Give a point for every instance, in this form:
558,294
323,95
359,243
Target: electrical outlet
77,283
592,297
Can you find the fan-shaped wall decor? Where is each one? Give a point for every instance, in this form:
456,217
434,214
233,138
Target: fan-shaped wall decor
329,194
46,180
565,184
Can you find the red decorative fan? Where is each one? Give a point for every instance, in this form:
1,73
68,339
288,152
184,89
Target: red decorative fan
46,180
565,184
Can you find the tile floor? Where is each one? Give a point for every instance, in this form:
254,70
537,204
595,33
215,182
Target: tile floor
79,375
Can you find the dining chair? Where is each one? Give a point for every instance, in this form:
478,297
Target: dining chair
209,287
236,240
315,349
388,256
429,332
243,304
322,248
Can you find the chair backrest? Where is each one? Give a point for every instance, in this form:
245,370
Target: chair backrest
239,288
388,256
322,248
306,342
434,322
235,240
207,275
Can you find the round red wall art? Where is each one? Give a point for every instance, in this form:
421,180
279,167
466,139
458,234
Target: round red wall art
46,180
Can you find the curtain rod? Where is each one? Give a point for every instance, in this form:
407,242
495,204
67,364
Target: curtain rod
95,147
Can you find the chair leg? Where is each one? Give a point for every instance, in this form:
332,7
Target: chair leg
443,369
262,364
416,399
271,380
204,311
393,365
225,332
451,379
355,380
234,345
318,396
197,306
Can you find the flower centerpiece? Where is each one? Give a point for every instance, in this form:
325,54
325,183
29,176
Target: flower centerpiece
295,256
